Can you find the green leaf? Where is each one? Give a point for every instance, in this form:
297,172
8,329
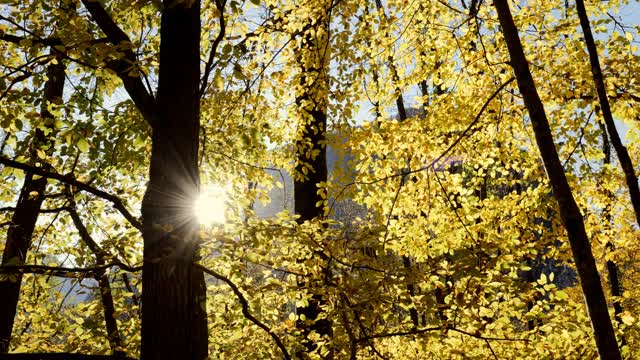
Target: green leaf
83,145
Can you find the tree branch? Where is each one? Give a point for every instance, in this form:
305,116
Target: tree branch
132,83
214,47
598,79
245,308
66,272
68,179
404,173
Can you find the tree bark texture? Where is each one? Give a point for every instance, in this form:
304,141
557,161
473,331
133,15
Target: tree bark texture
27,209
174,324
569,211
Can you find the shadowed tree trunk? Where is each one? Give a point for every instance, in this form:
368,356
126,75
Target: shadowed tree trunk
27,209
174,324
569,211
311,153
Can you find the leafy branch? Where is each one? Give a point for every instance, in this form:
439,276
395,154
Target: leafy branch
118,204
245,308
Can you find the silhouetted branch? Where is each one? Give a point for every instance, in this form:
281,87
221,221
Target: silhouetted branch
623,155
440,157
214,47
476,335
66,272
68,179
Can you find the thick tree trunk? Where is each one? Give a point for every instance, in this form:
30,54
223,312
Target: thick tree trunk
27,209
621,150
311,154
569,211
174,324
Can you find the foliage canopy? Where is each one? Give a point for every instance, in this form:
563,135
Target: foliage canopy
440,236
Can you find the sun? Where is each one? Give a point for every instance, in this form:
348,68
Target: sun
210,206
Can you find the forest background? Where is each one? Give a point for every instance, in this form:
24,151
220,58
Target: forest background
484,204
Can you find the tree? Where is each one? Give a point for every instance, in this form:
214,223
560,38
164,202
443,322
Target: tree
27,209
311,53
569,211
173,314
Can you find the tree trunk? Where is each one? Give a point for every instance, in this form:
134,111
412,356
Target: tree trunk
569,211
311,153
621,150
174,324
27,209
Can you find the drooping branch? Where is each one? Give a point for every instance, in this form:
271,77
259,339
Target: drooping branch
118,204
598,78
569,210
245,308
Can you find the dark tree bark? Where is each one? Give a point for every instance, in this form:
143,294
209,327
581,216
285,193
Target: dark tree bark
569,211
621,150
174,324
311,157
27,209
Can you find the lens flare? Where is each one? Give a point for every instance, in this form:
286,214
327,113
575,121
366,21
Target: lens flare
210,206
